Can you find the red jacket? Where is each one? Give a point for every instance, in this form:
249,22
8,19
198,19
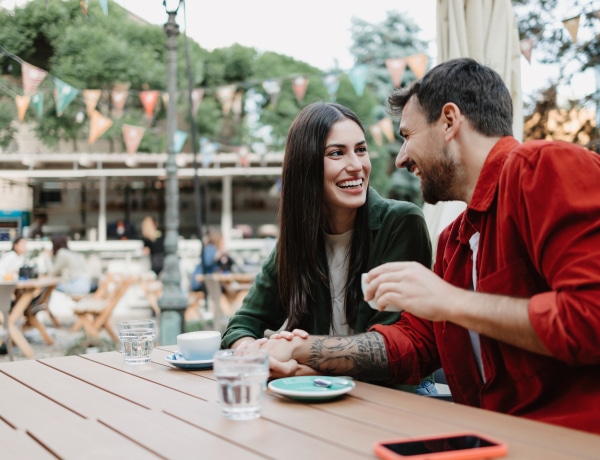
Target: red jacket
537,208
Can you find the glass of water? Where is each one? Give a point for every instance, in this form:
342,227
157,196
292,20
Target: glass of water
137,340
242,380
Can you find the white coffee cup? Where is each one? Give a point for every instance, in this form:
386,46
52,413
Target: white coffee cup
372,303
198,345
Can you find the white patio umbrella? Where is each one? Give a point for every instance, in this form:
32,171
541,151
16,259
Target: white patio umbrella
486,31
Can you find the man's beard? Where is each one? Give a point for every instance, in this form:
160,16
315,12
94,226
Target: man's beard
438,179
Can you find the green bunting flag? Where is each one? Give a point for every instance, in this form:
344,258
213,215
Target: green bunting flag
64,94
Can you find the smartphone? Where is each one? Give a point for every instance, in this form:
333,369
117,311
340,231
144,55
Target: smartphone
455,446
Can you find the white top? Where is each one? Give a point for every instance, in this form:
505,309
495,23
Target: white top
10,262
474,243
337,247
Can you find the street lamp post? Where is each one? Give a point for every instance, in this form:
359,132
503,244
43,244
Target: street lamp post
173,302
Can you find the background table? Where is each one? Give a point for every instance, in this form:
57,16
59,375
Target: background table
25,292
95,406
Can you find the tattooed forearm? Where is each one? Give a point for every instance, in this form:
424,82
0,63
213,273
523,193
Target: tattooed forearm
363,356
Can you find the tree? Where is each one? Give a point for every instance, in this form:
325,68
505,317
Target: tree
541,21
372,44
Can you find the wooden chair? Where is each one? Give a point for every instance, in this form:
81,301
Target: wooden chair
6,296
93,312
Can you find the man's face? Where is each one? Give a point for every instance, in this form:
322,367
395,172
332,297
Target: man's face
425,154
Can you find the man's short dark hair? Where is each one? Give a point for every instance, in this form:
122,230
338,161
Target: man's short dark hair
476,89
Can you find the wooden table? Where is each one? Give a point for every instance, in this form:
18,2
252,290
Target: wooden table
95,406
25,292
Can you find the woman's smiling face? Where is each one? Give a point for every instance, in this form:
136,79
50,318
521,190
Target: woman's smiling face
346,168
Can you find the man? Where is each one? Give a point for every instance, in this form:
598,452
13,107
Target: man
512,312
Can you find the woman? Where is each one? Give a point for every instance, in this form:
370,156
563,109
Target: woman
154,245
333,227
71,267
12,260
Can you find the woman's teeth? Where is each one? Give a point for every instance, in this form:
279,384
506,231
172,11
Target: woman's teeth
350,183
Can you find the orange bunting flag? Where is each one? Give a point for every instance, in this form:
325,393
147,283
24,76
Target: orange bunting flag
572,25
32,77
375,131
225,95
299,85
91,98
197,96
22,104
418,64
396,68
99,124
118,98
132,135
527,48
149,100
387,128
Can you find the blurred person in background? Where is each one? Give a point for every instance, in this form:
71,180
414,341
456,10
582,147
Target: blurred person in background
154,244
12,260
70,266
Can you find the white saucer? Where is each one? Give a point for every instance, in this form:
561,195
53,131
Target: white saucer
177,359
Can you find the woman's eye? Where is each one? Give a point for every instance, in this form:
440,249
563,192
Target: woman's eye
335,153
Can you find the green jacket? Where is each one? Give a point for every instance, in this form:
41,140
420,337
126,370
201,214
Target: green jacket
398,233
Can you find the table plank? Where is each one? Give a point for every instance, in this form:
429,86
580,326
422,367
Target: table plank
118,413
18,445
73,436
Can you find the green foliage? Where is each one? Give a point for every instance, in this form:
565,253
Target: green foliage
7,124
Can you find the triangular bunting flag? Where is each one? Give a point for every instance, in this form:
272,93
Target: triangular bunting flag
132,136
178,140
22,104
418,64
149,100
91,98
244,156
118,98
165,99
197,96
396,69
84,6
99,124
375,131
526,48
358,77
273,88
572,25
299,86
332,83
225,95
387,128
64,94
104,6
32,77
38,103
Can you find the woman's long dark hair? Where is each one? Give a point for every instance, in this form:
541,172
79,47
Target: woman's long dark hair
301,220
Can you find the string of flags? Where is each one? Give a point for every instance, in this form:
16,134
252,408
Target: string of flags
229,96
570,24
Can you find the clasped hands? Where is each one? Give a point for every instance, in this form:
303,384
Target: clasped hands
281,347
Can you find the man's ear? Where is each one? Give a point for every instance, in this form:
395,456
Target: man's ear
451,118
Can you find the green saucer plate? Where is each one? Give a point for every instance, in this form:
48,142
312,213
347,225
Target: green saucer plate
304,388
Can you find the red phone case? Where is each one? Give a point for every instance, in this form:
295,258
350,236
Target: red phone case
499,449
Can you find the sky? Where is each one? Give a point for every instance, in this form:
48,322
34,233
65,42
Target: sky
314,31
